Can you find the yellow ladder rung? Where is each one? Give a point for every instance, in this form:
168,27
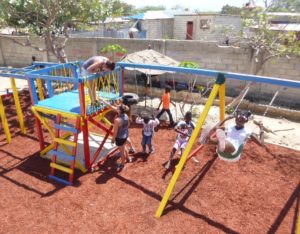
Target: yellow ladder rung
61,168
65,142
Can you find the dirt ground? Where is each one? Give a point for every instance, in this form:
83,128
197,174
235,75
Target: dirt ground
258,194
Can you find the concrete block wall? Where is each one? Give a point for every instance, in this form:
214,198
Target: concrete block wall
158,28
180,24
219,24
13,54
207,54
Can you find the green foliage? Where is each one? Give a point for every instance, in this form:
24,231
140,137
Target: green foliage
188,64
53,19
285,6
149,8
114,50
231,10
266,42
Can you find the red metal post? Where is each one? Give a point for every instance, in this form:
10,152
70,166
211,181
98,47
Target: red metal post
123,81
36,120
100,125
96,154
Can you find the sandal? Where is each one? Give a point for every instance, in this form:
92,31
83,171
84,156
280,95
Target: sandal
119,167
130,159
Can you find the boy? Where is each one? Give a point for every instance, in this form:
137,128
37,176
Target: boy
147,132
185,129
231,139
166,100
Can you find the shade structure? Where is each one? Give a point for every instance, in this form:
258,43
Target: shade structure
152,57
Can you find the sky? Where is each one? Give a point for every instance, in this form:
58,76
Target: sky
202,5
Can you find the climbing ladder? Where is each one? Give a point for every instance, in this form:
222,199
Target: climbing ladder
67,156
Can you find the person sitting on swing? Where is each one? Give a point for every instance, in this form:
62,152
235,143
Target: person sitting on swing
231,139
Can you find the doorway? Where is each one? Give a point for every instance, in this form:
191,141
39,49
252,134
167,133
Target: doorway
189,30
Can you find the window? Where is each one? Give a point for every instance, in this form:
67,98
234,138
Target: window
204,24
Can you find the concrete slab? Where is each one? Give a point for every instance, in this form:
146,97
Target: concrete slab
94,142
6,87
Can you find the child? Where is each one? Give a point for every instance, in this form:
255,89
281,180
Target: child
231,141
185,129
166,100
147,132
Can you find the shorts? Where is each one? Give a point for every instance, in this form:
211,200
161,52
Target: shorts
84,72
146,140
180,144
120,141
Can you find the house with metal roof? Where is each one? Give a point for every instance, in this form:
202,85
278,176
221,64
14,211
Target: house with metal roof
154,24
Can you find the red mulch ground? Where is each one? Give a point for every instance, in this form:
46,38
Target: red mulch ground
258,194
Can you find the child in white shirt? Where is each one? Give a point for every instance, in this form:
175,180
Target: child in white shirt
148,131
184,129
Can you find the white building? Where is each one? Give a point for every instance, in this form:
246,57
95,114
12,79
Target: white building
206,26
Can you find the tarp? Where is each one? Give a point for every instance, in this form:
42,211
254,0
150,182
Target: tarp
151,57
152,15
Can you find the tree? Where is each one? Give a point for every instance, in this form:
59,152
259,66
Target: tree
149,8
285,5
114,50
52,19
127,9
265,42
231,10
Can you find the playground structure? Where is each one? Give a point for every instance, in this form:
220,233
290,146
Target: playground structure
62,105
13,73
64,119
218,89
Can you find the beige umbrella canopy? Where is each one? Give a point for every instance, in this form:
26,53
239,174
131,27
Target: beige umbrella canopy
152,57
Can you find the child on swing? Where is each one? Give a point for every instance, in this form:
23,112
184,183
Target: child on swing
148,131
184,129
231,139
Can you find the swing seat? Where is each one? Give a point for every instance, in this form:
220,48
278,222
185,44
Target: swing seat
231,157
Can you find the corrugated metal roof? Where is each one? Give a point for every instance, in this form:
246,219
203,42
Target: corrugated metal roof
155,15
283,27
283,13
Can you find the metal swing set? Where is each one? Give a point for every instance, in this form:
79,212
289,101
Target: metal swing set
218,89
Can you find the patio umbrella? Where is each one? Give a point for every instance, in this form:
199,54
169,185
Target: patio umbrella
152,57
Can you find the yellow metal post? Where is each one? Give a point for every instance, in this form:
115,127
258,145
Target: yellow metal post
4,121
18,105
186,152
40,89
222,101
